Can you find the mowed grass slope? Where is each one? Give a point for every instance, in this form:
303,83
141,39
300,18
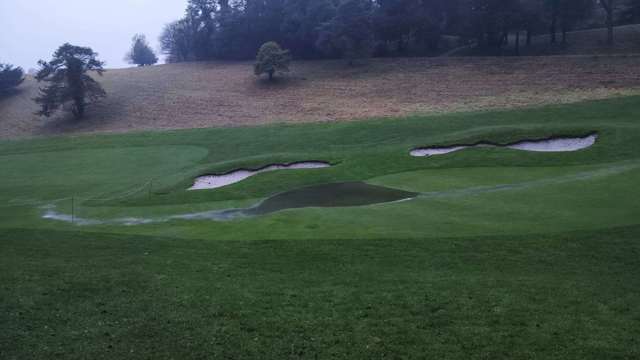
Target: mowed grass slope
506,254
228,94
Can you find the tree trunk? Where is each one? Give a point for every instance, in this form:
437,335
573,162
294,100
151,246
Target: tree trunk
78,108
564,34
610,28
401,46
518,43
609,6
270,75
529,36
554,21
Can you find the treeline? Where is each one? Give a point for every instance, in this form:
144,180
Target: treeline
235,29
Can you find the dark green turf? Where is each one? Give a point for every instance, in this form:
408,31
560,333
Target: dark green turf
566,296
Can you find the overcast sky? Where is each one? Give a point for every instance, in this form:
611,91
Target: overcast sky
33,29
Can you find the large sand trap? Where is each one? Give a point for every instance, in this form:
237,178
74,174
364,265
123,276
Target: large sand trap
218,181
559,144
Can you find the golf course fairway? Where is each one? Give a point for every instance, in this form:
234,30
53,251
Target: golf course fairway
479,254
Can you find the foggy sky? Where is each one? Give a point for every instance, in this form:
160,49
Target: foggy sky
34,29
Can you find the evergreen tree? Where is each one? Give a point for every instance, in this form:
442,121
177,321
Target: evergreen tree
68,80
141,53
10,77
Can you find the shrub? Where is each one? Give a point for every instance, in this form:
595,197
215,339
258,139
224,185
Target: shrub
271,59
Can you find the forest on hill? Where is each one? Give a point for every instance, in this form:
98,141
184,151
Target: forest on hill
311,29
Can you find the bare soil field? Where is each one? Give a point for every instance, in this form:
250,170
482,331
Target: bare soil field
192,95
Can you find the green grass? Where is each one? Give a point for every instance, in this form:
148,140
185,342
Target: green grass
546,267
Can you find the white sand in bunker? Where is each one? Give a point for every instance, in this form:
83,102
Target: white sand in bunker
218,181
559,144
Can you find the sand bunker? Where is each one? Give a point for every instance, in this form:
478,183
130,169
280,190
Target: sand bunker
556,144
218,181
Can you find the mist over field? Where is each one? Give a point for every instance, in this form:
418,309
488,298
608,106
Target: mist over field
38,27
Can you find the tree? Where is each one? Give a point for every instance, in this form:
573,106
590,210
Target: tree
141,53
399,24
10,77
300,25
491,21
554,13
567,13
630,12
176,41
532,17
350,32
233,29
68,80
200,14
271,59
609,7
571,12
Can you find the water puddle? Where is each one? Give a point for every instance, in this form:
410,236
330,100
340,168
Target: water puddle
330,195
325,195
219,180
556,144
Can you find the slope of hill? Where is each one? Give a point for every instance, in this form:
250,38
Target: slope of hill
580,42
191,95
627,41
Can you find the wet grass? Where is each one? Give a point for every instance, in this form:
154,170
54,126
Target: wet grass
505,254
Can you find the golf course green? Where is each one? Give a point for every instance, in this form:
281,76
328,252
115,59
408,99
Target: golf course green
490,252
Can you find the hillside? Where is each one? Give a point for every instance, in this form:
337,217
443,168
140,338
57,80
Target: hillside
580,42
627,41
191,95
